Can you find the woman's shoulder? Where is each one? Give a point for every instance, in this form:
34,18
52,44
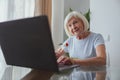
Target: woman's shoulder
96,36
93,34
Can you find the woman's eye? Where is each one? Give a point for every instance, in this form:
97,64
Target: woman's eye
74,22
69,25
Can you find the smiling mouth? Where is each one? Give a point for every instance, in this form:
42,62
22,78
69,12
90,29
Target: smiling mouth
76,30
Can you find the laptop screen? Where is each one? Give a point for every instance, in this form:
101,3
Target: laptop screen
27,43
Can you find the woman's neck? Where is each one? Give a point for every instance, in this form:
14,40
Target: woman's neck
83,35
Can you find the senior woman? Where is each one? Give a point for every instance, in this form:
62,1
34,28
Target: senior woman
85,48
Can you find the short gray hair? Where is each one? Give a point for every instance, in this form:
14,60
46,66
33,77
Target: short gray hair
76,15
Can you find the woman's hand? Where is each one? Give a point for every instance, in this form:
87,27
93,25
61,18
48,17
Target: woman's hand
59,52
64,60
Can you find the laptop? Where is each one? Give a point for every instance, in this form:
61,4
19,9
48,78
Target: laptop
28,43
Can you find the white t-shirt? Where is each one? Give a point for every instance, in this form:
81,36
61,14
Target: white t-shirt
83,48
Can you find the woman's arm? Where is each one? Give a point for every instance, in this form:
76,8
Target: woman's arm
99,60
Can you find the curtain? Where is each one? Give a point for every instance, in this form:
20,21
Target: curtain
55,11
43,7
10,10
57,22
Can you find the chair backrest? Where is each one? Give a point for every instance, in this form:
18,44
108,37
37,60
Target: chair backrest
108,59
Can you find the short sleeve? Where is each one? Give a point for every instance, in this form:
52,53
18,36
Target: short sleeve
98,40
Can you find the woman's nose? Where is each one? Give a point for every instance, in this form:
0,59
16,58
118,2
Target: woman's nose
73,26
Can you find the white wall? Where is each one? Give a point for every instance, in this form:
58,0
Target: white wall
77,5
105,19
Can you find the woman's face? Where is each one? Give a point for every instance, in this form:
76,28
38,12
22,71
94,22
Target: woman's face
75,26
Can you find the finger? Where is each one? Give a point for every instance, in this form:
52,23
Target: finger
57,55
60,59
67,61
64,60
60,50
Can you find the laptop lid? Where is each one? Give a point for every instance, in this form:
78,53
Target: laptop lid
27,43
